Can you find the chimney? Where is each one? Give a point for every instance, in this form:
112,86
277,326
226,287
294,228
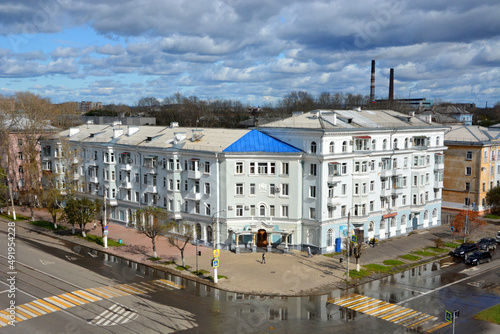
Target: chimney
391,85
372,86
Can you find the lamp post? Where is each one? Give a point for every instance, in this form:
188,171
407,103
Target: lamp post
467,213
215,223
104,222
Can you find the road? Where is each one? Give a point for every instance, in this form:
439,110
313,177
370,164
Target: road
65,288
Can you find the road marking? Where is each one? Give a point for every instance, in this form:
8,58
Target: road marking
394,313
116,314
45,262
122,314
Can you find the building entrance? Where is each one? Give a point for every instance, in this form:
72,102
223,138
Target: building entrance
261,238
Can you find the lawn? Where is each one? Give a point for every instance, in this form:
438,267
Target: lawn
436,250
359,274
451,244
492,216
48,225
492,314
98,240
410,257
393,263
377,268
9,217
424,253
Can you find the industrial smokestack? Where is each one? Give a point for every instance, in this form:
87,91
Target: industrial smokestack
372,86
391,85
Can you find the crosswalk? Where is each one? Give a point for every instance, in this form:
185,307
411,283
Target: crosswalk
116,314
400,315
68,300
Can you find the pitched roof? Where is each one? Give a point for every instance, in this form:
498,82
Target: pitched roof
256,141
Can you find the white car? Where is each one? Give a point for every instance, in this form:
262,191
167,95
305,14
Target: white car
498,236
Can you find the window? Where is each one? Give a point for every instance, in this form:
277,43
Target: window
403,200
371,226
329,238
271,211
382,224
344,189
372,206
344,168
252,168
313,147
239,168
468,155
239,210
485,156
438,141
406,142
372,185
356,188
252,210
333,169
272,189
343,210
344,146
252,188
20,155
374,144
313,169
272,168
415,199
484,186
384,144
312,213
284,168
239,188
262,168
395,144
284,211
331,191
312,191
137,196
284,189
330,211
262,210
467,186
332,147
20,170
207,167
207,188
170,184
468,170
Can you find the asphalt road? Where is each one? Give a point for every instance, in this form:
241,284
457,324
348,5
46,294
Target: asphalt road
65,288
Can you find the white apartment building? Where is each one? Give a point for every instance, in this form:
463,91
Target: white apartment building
287,184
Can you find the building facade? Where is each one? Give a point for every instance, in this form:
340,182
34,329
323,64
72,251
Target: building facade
287,184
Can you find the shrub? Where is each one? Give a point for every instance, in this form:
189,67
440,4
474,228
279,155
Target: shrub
438,242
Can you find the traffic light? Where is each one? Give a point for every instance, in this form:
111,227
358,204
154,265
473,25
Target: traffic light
199,253
341,260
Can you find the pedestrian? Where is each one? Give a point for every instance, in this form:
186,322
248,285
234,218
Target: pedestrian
309,254
263,258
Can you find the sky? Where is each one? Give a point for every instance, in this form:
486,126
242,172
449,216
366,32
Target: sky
254,51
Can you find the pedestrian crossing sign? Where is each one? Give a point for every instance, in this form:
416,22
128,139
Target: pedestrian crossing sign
216,252
448,316
215,263
354,238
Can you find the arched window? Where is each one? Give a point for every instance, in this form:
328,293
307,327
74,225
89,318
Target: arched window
209,234
313,147
406,142
382,224
434,213
403,220
395,143
384,144
393,222
262,210
438,141
198,231
374,145
344,146
329,238
332,147
371,226
426,215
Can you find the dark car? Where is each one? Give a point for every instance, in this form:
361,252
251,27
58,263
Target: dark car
487,244
477,257
464,249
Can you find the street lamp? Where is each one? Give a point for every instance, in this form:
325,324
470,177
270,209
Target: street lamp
104,222
467,213
215,223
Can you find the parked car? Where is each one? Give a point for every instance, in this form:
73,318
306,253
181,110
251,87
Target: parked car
498,236
477,257
487,243
464,249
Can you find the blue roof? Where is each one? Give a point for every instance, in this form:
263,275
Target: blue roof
256,141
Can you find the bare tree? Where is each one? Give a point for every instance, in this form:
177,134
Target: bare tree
154,223
184,233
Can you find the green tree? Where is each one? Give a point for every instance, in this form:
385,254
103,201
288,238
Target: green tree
52,200
493,199
81,211
181,234
153,223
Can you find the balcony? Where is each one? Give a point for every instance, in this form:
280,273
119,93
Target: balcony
76,176
438,184
149,169
194,174
333,201
126,167
194,196
439,166
386,192
151,189
334,178
93,179
126,185
387,172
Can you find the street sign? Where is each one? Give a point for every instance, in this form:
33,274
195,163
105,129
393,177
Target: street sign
216,252
354,238
448,316
106,232
106,227
215,263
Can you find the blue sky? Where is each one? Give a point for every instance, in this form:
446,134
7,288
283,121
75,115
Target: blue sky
254,51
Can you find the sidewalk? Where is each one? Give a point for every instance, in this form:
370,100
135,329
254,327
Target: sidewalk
283,274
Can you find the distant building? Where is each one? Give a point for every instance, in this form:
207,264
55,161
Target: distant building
472,167
86,106
448,114
414,104
122,120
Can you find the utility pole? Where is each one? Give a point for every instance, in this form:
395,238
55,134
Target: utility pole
467,214
105,223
